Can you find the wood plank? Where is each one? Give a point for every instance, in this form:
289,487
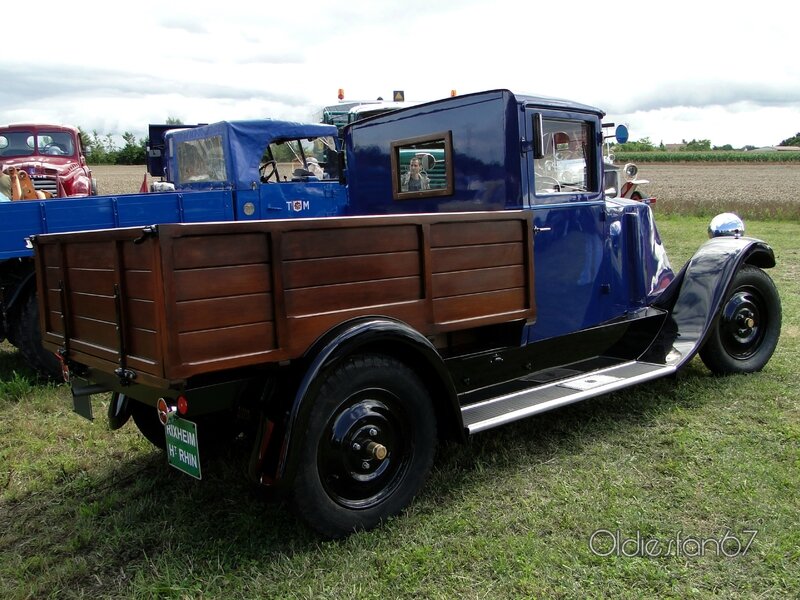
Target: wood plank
136,256
321,299
476,257
91,281
54,322
197,315
480,232
221,281
95,306
216,344
472,306
139,284
348,269
100,333
143,345
306,329
478,280
192,252
89,255
348,241
141,314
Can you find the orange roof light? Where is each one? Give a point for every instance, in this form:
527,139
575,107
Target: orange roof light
341,93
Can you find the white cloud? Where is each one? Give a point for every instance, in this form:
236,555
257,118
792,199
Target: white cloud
719,71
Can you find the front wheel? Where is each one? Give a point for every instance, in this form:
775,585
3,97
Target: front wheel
370,444
747,330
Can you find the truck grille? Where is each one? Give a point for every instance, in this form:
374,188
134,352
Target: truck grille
46,184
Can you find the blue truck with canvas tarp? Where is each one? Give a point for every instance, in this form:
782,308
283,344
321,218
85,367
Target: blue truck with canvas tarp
214,173
343,348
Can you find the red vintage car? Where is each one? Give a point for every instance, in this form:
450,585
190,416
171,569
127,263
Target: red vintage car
52,156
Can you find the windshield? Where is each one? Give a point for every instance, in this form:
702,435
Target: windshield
28,143
300,160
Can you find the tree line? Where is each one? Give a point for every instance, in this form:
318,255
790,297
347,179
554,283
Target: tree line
103,149
645,145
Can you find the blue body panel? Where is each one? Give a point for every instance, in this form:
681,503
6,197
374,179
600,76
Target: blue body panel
23,219
594,260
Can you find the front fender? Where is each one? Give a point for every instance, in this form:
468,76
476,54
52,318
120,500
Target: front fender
695,297
371,334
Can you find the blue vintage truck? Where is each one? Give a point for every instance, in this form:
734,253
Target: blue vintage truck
344,347
213,174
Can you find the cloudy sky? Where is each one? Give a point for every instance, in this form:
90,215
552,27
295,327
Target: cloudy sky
723,71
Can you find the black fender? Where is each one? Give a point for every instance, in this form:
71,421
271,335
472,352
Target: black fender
695,297
27,283
369,334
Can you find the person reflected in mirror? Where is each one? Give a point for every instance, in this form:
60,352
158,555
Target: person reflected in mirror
414,180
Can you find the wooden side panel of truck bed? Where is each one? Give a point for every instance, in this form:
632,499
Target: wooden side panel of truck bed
197,298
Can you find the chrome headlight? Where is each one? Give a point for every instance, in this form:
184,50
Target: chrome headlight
631,170
726,224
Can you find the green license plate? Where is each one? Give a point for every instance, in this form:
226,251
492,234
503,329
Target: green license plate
183,453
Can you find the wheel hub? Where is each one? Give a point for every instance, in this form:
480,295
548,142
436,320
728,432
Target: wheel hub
366,453
742,328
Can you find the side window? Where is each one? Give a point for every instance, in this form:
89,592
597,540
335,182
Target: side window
201,160
307,159
564,167
423,166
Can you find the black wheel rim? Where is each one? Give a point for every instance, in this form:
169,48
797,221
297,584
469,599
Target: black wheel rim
743,323
365,450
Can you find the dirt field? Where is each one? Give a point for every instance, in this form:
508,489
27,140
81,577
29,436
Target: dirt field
743,187
753,190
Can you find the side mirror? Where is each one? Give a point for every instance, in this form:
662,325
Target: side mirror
621,134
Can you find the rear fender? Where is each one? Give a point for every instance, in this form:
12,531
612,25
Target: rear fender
380,335
696,295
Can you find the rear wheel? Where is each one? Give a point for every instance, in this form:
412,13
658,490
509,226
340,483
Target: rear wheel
747,331
28,338
369,446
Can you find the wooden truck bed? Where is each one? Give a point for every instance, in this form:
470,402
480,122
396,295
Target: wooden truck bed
196,298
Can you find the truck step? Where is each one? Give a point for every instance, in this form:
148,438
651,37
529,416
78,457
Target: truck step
539,398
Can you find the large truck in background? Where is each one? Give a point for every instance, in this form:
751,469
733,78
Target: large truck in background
343,348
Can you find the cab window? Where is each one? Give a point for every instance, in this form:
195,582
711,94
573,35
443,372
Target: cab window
565,164
422,167
307,159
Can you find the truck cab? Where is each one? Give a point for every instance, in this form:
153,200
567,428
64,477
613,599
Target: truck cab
278,169
596,259
51,155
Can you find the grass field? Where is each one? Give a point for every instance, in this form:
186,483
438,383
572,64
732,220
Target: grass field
685,487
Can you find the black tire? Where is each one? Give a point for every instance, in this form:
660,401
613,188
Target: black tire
28,338
370,406
747,330
148,423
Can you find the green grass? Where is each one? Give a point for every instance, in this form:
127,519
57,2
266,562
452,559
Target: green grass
89,513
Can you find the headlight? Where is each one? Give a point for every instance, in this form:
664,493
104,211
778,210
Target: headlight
726,224
631,170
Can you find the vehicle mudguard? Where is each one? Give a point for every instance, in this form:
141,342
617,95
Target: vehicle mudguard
374,334
27,283
696,295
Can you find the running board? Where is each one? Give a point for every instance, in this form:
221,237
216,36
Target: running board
541,398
